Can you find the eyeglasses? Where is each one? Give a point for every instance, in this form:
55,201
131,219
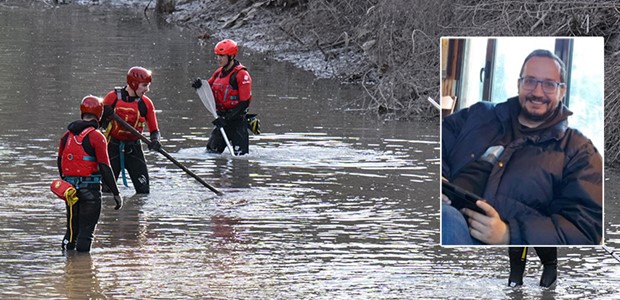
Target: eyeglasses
548,86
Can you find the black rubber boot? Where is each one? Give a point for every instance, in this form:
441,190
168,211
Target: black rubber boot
549,259
518,258
66,245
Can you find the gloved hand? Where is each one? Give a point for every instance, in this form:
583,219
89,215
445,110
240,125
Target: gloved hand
155,145
107,112
119,201
219,122
197,83
253,123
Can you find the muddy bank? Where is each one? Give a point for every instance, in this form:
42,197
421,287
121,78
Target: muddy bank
389,48
335,40
262,26
383,47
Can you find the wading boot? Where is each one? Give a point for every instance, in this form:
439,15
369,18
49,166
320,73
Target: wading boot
549,275
518,258
549,259
66,245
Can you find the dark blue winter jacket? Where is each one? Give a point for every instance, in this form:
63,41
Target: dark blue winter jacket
546,186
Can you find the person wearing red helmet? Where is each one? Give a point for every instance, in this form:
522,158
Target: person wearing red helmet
83,162
132,105
232,88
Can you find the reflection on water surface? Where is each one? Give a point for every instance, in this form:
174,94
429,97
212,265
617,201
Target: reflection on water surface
328,204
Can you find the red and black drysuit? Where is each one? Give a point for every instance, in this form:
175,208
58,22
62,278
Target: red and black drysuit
83,161
232,90
124,147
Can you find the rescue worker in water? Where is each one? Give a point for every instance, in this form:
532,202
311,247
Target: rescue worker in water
232,88
132,105
83,161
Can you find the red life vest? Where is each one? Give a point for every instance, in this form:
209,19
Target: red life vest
132,113
226,96
75,161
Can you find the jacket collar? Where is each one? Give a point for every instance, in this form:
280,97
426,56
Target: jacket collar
555,128
79,125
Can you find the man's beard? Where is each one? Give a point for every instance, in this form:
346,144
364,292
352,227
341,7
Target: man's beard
536,117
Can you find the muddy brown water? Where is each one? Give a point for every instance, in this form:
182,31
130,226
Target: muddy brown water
328,205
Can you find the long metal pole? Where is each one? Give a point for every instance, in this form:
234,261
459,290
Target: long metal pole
164,153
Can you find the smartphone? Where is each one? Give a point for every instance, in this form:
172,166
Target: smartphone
460,197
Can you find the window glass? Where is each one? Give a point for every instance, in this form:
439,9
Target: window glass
586,89
509,55
586,77
471,90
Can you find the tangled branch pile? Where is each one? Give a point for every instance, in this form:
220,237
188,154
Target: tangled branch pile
612,108
397,39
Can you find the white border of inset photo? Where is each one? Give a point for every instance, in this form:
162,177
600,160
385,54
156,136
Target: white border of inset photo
479,76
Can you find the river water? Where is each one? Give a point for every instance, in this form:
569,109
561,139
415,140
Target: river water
329,204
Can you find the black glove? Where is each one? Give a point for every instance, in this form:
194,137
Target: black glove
253,123
197,83
155,145
107,112
155,137
219,122
119,201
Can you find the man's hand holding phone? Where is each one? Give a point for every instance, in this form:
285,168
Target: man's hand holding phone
489,228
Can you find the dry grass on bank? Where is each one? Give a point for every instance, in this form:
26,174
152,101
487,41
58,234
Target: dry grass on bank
398,39
612,109
404,61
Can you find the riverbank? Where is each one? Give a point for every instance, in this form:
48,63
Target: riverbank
338,40
391,48
387,48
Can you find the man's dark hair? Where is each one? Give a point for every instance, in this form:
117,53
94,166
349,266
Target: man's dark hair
89,115
549,54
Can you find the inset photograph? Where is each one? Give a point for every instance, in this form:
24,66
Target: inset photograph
522,141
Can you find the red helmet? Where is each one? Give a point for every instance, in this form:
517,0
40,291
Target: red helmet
226,47
137,75
92,105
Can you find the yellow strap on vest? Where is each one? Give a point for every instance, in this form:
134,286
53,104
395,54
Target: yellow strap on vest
524,254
